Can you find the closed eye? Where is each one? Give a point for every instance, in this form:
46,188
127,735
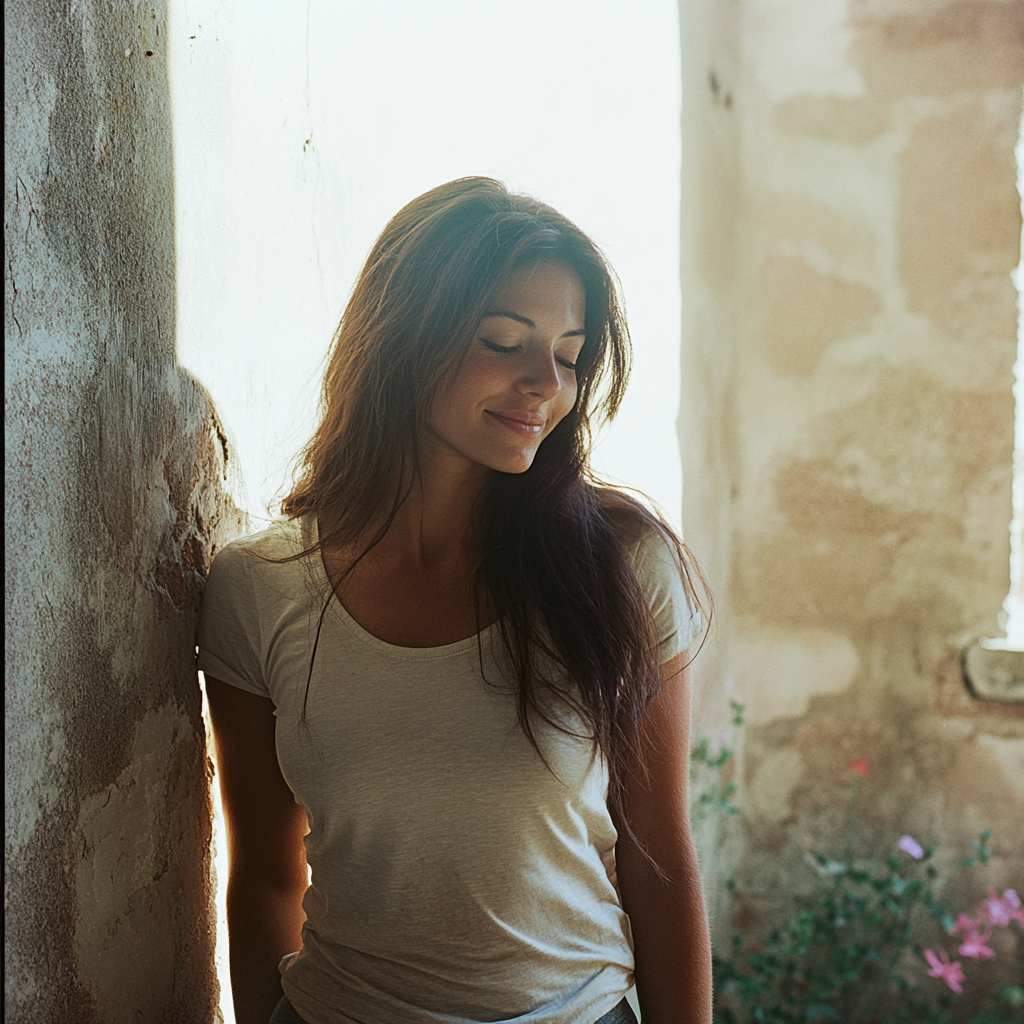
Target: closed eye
499,348
509,349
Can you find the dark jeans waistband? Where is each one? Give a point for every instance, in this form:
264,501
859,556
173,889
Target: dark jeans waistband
620,1013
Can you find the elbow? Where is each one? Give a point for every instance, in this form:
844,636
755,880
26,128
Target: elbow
259,880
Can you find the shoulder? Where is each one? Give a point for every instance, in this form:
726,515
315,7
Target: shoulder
649,543
250,581
280,540
259,563
664,568
659,560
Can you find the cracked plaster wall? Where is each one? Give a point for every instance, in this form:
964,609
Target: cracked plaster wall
116,498
850,222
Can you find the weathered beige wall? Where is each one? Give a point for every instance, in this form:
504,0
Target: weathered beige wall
850,222
114,502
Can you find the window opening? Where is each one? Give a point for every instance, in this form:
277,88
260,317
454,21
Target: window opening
287,166
1013,607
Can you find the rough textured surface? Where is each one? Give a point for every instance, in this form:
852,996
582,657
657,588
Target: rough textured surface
115,501
995,672
850,223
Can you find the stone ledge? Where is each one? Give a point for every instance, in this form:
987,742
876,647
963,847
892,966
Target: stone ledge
994,671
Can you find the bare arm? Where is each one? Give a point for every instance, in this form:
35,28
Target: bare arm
668,919
266,859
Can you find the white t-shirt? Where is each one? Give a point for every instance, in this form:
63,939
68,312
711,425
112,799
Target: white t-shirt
455,877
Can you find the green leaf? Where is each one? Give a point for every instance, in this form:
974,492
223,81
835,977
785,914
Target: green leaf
1012,995
737,711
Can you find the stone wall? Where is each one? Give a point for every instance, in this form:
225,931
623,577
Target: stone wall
115,501
851,219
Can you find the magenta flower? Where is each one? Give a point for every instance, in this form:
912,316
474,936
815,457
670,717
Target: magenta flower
969,926
908,844
976,935
998,911
951,973
974,946
1012,901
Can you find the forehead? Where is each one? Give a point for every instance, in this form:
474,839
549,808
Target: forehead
549,289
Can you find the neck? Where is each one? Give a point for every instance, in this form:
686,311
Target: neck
439,519
436,523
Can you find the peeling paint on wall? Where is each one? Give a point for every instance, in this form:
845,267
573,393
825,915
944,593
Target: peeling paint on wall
806,312
960,228
116,498
847,418
798,666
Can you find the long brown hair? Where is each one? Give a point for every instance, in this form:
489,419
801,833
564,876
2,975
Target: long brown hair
553,560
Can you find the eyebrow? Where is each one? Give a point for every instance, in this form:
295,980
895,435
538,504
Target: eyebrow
520,319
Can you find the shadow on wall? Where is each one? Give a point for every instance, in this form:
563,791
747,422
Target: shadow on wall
116,498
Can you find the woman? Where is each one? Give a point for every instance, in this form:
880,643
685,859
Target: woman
460,663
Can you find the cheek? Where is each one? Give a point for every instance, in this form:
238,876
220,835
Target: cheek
456,398
566,400
475,383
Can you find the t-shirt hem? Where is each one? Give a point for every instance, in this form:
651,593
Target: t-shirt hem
312,1012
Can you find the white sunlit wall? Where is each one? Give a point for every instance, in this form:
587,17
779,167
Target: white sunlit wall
301,128
1014,607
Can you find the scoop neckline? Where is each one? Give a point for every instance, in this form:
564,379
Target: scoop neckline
311,530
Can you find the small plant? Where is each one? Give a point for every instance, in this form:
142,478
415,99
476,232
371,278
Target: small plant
852,950
850,953
708,761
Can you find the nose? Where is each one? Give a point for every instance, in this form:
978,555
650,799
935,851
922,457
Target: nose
539,377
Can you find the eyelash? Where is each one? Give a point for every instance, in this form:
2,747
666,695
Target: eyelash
508,349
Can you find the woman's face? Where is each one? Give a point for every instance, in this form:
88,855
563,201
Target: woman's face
517,381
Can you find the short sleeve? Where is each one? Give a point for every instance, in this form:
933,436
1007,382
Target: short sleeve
677,620
229,634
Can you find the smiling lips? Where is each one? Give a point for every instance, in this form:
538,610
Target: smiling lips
525,424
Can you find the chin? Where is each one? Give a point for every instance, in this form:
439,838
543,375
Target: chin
514,465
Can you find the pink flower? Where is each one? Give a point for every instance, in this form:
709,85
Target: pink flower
999,911
969,926
1012,901
951,973
974,946
908,844
976,936
860,766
